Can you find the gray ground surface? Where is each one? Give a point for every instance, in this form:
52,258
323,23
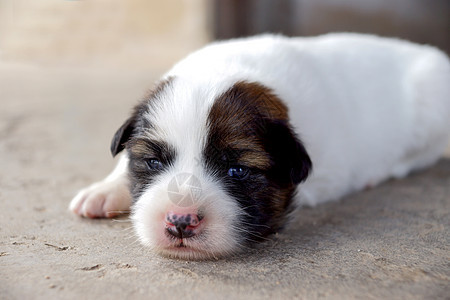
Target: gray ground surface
391,242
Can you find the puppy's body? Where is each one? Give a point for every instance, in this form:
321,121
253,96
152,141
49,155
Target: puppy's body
365,108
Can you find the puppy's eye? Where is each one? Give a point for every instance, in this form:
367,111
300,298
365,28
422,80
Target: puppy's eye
238,172
154,164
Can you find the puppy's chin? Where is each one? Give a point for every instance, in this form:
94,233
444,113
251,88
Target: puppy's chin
219,233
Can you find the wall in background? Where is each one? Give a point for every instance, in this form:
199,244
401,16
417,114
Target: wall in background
135,33
155,34
423,21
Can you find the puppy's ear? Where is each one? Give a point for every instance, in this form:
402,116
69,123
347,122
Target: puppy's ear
291,162
122,135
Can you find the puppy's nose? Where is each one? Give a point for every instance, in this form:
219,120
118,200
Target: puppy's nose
182,226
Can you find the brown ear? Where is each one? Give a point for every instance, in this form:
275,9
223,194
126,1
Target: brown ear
122,135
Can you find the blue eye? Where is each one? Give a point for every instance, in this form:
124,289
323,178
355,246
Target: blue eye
154,164
238,172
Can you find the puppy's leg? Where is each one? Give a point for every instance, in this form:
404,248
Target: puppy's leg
107,198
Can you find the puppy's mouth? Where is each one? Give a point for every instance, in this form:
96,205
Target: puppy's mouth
191,248
181,240
176,242
181,245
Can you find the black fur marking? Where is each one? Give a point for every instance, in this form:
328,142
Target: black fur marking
139,152
129,128
290,161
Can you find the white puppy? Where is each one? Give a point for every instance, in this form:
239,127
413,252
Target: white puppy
213,154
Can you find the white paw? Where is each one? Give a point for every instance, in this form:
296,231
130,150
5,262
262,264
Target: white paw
105,199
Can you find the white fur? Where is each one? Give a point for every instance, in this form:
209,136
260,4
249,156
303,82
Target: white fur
366,108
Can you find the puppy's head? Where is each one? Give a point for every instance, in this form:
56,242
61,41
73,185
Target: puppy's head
211,171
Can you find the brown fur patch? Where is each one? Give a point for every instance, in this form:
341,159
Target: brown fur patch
141,148
233,118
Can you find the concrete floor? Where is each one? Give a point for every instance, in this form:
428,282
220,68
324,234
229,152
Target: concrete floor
391,242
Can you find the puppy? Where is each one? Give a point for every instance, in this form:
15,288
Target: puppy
213,155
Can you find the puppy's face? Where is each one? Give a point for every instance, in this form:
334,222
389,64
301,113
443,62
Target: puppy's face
211,171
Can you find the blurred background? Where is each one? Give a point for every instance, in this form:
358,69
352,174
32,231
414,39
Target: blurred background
154,34
76,67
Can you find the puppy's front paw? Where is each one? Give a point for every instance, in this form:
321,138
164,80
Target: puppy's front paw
105,199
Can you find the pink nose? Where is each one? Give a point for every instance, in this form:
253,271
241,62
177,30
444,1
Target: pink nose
182,225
